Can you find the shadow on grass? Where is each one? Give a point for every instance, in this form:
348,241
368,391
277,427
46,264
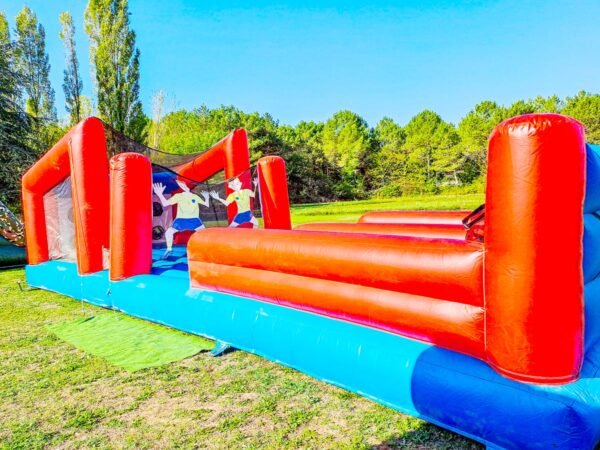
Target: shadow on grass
428,436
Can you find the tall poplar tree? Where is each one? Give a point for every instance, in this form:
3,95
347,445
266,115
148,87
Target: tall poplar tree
72,83
33,66
116,65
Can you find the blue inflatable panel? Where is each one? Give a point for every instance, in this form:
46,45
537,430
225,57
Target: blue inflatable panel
592,184
449,389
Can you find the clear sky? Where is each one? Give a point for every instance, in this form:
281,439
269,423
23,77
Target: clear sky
304,60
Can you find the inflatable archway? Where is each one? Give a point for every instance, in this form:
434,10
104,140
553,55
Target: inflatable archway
486,323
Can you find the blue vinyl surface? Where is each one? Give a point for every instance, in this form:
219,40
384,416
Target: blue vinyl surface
452,390
175,261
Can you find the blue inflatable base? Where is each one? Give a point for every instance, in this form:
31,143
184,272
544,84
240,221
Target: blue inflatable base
449,389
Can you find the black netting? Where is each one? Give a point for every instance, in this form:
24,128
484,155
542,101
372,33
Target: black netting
117,142
183,205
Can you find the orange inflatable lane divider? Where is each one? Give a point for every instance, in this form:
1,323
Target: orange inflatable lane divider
439,231
415,217
438,268
451,325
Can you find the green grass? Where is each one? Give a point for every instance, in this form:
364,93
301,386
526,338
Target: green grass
352,210
53,395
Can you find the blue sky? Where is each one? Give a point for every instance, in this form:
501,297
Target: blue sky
304,60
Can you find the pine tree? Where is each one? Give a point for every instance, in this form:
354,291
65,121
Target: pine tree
33,66
72,83
116,63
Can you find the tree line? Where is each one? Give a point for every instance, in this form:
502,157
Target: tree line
345,158
340,158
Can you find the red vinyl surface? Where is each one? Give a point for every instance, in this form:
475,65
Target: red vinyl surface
274,197
130,215
533,240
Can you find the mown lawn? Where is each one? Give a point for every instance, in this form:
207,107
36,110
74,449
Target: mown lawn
53,395
351,211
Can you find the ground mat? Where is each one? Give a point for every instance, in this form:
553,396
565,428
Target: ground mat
127,342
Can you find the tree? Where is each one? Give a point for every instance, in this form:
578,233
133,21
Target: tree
345,140
72,83
311,177
389,171
519,108
347,144
16,143
33,66
474,130
116,63
432,152
551,104
585,107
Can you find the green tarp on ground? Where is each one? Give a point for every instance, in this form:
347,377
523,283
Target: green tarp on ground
129,343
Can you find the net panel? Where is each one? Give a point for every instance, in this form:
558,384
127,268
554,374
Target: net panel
60,229
117,142
206,201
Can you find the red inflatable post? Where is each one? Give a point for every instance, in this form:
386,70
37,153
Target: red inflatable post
533,239
80,154
130,215
274,196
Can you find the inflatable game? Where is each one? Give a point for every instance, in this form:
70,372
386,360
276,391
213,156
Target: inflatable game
486,323
12,239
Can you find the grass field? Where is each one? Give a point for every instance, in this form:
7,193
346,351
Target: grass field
53,395
351,211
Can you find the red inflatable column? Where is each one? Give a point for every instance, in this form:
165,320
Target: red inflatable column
533,260
274,197
89,183
130,215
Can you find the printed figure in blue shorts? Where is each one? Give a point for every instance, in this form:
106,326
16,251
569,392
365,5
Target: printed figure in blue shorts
241,197
188,211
